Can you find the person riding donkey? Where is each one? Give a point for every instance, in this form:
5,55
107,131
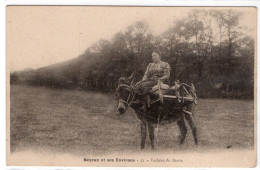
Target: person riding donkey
156,71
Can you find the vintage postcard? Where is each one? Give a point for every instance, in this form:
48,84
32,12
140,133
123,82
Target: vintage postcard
118,86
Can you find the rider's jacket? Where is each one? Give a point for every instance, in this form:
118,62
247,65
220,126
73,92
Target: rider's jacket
157,70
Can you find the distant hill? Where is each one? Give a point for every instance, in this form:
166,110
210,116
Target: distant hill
69,74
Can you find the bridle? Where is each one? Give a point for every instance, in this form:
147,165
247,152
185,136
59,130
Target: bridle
131,95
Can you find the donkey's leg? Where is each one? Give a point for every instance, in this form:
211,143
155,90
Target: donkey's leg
191,122
143,134
190,119
183,129
151,134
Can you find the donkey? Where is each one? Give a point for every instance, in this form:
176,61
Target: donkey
156,114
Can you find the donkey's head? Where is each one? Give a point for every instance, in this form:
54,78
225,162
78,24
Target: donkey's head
125,94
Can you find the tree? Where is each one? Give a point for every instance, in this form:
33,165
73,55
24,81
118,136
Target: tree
138,41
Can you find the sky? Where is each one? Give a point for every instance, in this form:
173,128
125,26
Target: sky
38,36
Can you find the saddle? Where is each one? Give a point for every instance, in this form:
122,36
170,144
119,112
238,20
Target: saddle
180,93
155,94
161,90
165,89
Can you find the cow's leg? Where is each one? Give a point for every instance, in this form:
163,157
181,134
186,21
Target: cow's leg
143,134
190,119
151,134
183,129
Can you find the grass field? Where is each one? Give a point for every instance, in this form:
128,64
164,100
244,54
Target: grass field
79,122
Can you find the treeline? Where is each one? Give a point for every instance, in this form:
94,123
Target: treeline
207,47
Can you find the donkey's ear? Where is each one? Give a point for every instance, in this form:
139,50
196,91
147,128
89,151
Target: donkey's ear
131,76
131,79
121,80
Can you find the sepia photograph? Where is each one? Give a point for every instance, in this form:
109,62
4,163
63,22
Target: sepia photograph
126,86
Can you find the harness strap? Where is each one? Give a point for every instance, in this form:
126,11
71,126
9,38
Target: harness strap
128,88
120,100
124,85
